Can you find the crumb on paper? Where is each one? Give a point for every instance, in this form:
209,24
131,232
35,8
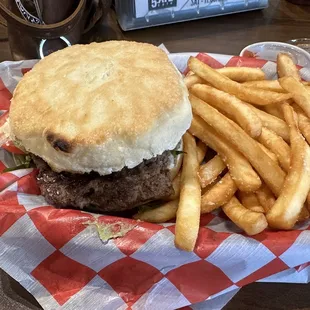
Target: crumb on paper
115,230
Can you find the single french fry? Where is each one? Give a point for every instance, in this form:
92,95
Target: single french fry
273,123
250,201
272,85
285,212
251,222
270,172
240,169
242,74
208,187
201,151
188,214
251,95
189,73
286,66
278,146
299,92
270,154
303,122
193,79
219,194
274,109
265,197
209,171
160,214
230,105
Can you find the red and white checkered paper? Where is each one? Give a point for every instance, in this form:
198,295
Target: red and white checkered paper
64,264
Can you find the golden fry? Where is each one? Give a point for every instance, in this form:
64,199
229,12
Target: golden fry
272,85
278,146
252,95
230,105
193,79
270,154
209,171
188,214
161,214
286,66
285,212
299,92
274,109
201,151
242,74
303,122
273,123
250,201
270,172
251,222
240,169
204,190
219,194
265,197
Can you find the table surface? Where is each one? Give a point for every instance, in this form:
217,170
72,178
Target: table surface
282,21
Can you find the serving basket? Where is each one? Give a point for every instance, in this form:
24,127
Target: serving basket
59,257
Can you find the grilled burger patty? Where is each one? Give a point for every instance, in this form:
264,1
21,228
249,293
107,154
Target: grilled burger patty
118,191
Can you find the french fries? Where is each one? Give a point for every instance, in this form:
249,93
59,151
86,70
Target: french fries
250,201
286,66
299,92
188,214
287,208
201,151
303,122
251,95
273,123
219,194
274,109
242,74
251,161
270,154
193,79
238,74
265,197
231,105
251,222
209,171
278,146
240,169
272,85
161,214
270,172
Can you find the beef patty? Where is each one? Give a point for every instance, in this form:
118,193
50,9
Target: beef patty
115,192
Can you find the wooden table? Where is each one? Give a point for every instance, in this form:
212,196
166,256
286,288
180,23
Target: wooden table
282,21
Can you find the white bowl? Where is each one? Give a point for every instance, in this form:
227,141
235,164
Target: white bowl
270,50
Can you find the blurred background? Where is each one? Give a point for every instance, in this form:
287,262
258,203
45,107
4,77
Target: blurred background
182,25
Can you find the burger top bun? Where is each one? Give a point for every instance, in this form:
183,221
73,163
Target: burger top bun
100,107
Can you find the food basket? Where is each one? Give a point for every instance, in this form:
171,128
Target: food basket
59,257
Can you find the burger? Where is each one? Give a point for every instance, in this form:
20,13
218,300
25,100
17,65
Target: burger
102,123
